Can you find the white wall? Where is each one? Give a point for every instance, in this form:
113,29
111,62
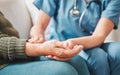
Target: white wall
32,9
114,35
16,12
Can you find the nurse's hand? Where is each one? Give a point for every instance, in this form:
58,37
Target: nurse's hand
54,48
37,36
66,58
37,39
60,50
59,58
69,44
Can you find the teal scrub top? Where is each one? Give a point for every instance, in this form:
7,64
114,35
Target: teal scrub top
64,26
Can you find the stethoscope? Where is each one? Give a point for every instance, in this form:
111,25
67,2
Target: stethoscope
75,12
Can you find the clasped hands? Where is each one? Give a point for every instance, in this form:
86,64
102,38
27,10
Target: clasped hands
53,49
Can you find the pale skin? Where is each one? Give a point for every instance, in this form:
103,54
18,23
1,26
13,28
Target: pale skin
52,47
103,28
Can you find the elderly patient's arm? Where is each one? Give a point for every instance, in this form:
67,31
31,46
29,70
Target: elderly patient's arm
14,48
52,47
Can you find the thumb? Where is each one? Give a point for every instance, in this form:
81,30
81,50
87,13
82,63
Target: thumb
41,39
60,52
33,39
76,49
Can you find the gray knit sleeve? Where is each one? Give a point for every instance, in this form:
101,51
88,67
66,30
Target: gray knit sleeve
12,47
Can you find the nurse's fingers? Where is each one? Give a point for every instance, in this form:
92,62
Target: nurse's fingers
67,52
33,40
37,39
58,58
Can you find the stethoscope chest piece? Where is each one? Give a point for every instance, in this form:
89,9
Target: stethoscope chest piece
75,12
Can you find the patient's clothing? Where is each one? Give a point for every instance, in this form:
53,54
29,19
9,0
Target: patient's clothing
64,26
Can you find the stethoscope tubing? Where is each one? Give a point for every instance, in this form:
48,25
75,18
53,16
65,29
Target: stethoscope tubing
83,13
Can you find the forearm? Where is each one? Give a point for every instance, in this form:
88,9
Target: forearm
42,21
33,50
102,30
14,48
89,41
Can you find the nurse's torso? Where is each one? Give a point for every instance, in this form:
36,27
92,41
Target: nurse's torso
64,26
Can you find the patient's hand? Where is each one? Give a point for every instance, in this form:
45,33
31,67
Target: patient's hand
54,48
68,57
70,46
